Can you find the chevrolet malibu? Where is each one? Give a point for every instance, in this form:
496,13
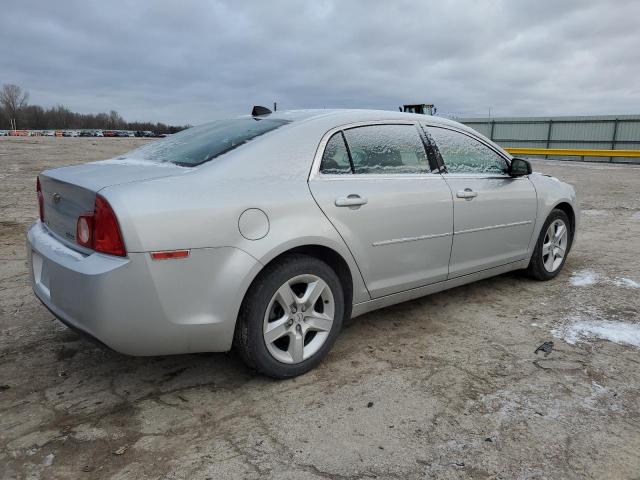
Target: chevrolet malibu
266,232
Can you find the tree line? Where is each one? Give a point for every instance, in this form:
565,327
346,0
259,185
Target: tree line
16,113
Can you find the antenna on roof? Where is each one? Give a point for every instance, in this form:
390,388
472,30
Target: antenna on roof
259,110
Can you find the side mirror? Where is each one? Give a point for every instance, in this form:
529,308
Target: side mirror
519,167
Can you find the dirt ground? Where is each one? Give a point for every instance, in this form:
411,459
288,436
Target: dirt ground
446,387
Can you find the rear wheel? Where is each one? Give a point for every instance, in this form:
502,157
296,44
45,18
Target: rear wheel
290,317
552,247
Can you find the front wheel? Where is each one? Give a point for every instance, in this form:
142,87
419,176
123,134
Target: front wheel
552,247
290,317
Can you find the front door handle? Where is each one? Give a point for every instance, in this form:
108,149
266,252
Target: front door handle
352,200
466,193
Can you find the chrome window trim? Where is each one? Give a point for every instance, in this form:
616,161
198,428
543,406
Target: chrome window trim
316,174
326,177
482,176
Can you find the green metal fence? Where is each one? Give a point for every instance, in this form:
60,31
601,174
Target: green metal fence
594,132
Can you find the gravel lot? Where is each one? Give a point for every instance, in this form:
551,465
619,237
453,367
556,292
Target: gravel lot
444,387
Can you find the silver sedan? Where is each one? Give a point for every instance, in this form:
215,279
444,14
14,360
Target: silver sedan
267,232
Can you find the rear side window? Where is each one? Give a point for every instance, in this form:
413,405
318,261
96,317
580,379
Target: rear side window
463,154
335,159
387,149
200,144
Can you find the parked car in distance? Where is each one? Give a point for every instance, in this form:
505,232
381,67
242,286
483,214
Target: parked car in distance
143,133
4,133
48,133
266,232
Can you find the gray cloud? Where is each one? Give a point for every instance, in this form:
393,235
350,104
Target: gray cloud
190,61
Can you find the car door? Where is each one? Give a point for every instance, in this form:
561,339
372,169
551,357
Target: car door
494,213
376,186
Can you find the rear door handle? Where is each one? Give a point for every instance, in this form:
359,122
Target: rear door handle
352,200
466,193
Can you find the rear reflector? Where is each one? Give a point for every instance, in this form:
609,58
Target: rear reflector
84,229
168,255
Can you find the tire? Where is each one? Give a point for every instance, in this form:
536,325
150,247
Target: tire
264,315
541,266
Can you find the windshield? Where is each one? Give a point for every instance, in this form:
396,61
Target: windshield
200,144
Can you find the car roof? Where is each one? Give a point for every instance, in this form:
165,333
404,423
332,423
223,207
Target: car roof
345,116
288,150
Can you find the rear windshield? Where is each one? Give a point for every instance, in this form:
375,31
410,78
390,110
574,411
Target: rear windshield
200,144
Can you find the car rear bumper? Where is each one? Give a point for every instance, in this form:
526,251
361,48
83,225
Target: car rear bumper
139,306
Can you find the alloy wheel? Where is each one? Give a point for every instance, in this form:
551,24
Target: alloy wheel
554,247
298,319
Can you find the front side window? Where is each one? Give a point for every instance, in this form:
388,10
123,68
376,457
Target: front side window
464,154
387,149
335,159
200,144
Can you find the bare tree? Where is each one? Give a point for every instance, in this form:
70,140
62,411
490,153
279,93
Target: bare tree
13,99
14,107
115,120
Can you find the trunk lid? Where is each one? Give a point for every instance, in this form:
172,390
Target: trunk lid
69,192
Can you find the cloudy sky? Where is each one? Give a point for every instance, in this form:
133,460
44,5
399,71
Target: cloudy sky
184,61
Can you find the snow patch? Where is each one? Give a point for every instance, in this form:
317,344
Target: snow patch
614,331
625,282
595,213
601,399
584,278
135,162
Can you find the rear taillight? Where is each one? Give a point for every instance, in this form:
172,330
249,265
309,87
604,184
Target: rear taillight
40,199
100,230
106,232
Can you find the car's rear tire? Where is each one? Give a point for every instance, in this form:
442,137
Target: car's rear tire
290,317
552,247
